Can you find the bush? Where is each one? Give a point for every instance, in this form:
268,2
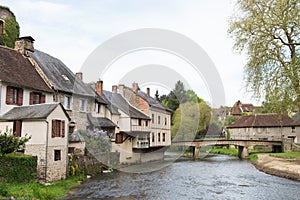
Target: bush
10,143
17,168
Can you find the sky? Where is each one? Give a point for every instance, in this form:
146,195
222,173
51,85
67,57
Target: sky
72,30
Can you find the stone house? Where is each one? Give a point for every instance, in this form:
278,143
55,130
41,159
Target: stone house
239,108
265,127
160,115
47,124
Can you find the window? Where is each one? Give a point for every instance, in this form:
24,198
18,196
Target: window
146,123
57,155
165,121
36,98
14,96
82,105
158,137
119,138
98,108
67,102
293,129
158,120
17,128
152,118
153,137
1,27
140,122
164,137
58,128
259,130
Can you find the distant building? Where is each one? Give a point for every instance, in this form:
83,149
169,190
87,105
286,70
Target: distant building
265,127
239,109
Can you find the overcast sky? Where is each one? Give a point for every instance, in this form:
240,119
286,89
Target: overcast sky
71,30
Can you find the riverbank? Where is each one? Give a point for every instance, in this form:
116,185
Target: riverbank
282,167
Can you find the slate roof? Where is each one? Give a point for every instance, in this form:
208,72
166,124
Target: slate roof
60,76
37,111
117,101
153,102
264,120
76,137
101,121
18,71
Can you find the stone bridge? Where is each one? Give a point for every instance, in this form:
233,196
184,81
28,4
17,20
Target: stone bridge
242,145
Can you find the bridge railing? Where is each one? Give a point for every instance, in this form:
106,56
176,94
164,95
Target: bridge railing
255,137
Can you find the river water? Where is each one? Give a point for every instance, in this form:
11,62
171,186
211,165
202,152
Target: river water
216,177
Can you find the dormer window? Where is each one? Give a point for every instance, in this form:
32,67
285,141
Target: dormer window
65,77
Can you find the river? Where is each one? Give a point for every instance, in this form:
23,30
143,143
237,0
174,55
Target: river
216,177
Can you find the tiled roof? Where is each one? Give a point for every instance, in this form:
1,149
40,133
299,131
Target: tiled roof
100,121
60,76
153,102
116,100
17,70
264,120
37,111
238,109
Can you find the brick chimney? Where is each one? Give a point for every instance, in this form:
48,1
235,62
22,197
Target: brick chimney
79,75
114,89
148,92
24,45
99,88
135,87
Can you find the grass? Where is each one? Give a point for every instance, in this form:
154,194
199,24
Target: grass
35,190
253,156
231,152
288,155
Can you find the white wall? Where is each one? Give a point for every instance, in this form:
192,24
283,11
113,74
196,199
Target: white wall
26,96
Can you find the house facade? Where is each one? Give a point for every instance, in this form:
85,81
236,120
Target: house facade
47,124
160,116
265,127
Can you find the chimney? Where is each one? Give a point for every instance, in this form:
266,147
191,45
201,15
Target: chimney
24,44
114,89
121,89
148,92
99,88
135,87
79,75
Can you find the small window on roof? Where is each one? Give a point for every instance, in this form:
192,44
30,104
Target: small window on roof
65,77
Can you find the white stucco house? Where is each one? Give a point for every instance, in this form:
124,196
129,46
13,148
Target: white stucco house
47,124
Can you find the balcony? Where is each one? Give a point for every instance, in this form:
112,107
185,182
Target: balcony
143,144
140,128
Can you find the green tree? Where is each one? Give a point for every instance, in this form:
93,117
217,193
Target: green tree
268,32
9,142
189,120
11,31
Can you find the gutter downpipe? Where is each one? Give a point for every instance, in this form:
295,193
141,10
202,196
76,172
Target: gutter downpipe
46,159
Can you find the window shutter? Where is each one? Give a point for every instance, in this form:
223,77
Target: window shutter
63,128
20,97
53,127
18,125
31,98
8,88
43,98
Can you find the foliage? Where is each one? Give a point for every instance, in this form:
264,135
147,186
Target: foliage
268,32
17,167
229,120
11,31
35,190
97,140
288,155
189,120
10,143
231,152
253,156
73,165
